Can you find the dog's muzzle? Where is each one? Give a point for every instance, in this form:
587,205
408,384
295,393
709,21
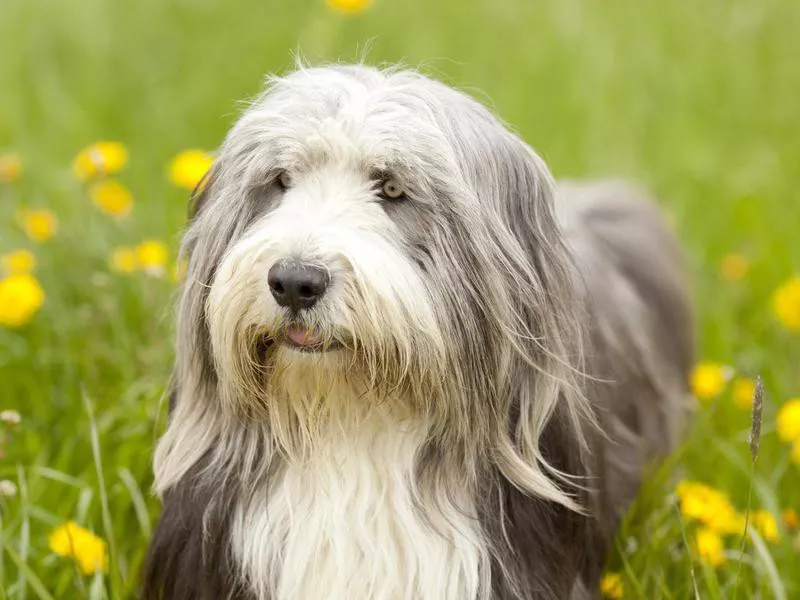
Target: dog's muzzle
298,286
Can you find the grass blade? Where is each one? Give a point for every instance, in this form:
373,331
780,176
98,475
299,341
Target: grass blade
692,574
108,527
773,576
33,581
137,498
58,476
25,529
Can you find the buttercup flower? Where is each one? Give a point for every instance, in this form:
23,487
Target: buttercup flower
790,518
786,304
151,256
766,525
189,167
709,547
85,548
18,262
124,260
112,198
350,6
39,225
734,267
99,159
709,379
743,392
21,297
10,168
611,586
710,507
788,421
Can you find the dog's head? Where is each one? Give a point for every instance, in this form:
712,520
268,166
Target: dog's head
381,229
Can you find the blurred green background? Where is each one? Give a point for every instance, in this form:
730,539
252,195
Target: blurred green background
696,100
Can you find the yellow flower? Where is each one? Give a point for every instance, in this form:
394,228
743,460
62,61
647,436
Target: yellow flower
788,421
786,304
10,168
611,586
710,547
710,507
124,260
21,297
790,518
766,525
101,158
152,255
743,392
112,198
18,262
39,225
734,267
350,6
189,167
85,548
709,379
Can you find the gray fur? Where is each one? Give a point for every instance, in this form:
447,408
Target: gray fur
544,356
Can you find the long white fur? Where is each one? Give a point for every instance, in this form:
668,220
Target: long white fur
344,524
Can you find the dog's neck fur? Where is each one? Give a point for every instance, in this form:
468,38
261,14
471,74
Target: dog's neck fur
376,507
337,492
349,520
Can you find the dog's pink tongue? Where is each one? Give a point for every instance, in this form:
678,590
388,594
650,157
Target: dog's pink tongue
303,337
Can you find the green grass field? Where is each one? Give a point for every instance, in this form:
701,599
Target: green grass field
697,100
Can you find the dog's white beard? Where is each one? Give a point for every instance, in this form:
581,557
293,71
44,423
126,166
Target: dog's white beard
342,524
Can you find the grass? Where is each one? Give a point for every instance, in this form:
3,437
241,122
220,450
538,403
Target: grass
698,100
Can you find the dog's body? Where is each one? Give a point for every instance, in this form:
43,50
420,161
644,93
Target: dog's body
407,367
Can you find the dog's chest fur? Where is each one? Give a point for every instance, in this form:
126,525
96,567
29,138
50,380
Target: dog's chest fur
347,523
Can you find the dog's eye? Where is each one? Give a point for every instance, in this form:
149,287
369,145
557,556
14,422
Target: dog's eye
284,180
392,190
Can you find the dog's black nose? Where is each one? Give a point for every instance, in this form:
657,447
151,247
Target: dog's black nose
295,285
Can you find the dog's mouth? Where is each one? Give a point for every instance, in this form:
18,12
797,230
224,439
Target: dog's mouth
296,337
307,339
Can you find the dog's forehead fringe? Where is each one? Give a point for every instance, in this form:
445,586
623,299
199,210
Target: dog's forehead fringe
327,92
392,118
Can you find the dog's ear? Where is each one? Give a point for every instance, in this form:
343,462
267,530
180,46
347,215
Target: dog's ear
529,188
544,326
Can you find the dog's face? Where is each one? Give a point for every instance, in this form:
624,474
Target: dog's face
362,226
331,272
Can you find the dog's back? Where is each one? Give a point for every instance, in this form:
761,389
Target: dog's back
640,344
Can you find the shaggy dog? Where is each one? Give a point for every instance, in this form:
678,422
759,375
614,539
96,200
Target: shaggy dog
409,366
